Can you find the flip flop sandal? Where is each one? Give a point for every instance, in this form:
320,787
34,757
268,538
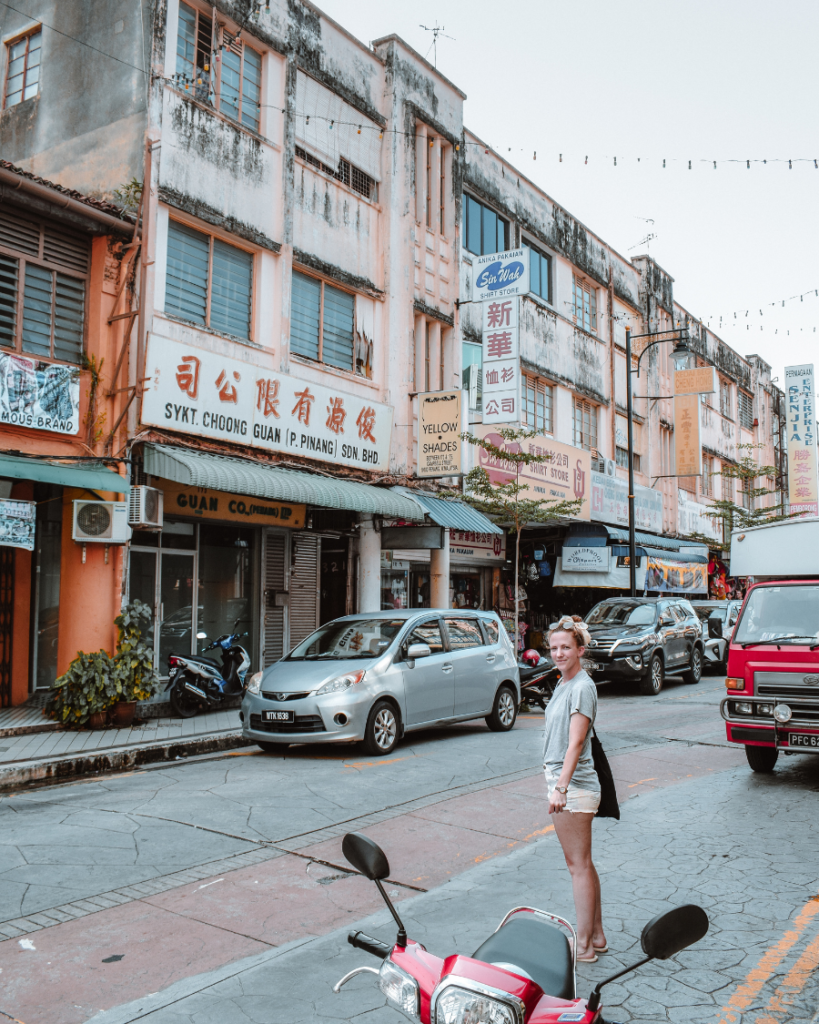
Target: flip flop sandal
601,949
587,959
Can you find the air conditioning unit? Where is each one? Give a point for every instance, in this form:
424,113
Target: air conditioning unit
611,467
145,508
101,522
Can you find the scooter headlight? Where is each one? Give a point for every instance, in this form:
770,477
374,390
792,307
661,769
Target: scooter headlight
400,988
340,682
255,683
458,1005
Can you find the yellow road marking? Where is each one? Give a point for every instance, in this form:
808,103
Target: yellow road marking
376,764
633,784
795,980
771,959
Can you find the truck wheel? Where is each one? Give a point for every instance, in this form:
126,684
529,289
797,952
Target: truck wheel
381,733
504,711
694,671
652,681
762,759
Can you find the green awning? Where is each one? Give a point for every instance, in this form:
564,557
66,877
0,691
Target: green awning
263,480
457,515
89,476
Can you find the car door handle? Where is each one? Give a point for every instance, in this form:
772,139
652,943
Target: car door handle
447,668
490,658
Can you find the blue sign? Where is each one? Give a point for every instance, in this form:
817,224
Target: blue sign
500,273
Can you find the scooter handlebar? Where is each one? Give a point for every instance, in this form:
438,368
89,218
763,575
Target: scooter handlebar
370,945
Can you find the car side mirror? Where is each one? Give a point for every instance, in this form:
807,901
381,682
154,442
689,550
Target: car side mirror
715,626
666,620
418,651
668,933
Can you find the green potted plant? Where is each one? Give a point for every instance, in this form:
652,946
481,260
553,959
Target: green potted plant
133,677
82,695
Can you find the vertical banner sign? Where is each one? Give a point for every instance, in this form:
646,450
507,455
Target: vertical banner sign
803,492
501,361
439,437
687,448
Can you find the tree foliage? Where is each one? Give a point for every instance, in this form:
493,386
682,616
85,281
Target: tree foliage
746,472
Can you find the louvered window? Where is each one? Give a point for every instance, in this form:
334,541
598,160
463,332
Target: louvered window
208,282
584,303
322,322
43,280
746,410
536,404
585,425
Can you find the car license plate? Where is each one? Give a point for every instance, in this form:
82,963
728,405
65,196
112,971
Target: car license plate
278,716
803,739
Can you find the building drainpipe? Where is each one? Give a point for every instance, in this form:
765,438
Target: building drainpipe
612,357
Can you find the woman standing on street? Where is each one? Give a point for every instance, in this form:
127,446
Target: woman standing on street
573,786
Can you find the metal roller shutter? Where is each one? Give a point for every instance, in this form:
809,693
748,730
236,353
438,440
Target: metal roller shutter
274,580
304,588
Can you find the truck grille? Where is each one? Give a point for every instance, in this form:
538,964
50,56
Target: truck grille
783,690
303,723
603,645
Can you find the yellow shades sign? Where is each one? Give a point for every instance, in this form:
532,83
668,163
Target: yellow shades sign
687,448
439,433
203,503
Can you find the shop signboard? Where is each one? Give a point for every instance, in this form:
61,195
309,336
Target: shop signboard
204,503
687,447
585,559
501,360
609,503
564,476
668,575
693,517
488,547
206,394
17,523
701,380
42,396
500,274
803,492
440,420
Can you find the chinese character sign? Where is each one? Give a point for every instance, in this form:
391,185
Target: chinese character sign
702,380
501,361
687,447
205,394
800,400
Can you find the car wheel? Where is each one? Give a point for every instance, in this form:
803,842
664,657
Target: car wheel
271,748
762,759
182,704
652,681
694,672
504,710
381,733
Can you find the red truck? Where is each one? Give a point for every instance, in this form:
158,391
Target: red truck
773,657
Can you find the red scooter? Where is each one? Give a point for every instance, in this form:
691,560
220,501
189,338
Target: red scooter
524,973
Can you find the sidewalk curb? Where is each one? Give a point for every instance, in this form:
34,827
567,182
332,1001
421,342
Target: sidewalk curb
115,759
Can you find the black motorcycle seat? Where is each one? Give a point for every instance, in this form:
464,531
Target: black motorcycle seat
198,659
538,948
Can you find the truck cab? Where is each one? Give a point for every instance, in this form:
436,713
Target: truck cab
772,701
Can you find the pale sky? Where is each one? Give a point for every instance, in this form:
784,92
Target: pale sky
698,80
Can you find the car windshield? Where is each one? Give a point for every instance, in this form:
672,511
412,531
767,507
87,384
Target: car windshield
346,639
790,611
621,613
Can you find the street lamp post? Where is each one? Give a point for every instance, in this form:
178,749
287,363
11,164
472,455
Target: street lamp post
680,355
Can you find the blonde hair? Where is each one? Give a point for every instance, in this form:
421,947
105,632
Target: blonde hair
575,625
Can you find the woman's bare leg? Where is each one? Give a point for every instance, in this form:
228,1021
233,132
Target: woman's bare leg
574,832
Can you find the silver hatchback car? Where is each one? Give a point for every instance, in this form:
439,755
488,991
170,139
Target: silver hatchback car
376,675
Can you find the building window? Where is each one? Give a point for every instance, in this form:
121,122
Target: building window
621,458
46,267
706,483
346,173
442,190
208,282
232,84
725,404
745,496
536,404
322,321
486,231
22,69
584,304
745,405
585,424
540,267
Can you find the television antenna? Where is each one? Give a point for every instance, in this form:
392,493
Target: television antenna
436,30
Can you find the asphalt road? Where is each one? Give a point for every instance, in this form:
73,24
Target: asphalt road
215,888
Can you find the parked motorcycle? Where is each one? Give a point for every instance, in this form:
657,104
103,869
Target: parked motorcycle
537,682
524,973
197,682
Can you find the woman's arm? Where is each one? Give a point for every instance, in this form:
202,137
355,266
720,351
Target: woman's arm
578,728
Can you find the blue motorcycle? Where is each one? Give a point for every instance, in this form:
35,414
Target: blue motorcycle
197,683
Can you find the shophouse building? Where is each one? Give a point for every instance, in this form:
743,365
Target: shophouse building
293,276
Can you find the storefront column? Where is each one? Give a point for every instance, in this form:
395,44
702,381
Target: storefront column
439,574
369,566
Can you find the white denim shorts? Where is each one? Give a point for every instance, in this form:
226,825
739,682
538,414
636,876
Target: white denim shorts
578,801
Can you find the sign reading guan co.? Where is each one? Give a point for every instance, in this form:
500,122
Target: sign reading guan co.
203,393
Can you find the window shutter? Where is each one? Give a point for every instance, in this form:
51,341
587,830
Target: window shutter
274,580
304,316
69,312
304,588
9,283
66,249
231,290
339,314
186,287
37,301
20,233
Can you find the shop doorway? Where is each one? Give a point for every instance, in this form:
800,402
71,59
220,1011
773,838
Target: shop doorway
6,620
333,579
45,617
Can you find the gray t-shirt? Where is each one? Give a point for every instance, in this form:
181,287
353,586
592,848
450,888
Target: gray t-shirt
577,695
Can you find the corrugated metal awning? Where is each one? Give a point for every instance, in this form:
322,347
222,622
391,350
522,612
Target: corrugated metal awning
89,476
457,515
646,539
261,480
683,556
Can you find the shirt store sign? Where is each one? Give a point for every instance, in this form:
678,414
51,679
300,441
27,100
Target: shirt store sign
43,396
206,394
803,493
203,503
439,437
500,274
585,559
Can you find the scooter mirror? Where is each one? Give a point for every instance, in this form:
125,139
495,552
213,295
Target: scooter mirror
365,856
668,933
201,636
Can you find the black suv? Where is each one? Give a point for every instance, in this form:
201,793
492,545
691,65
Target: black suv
643,638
